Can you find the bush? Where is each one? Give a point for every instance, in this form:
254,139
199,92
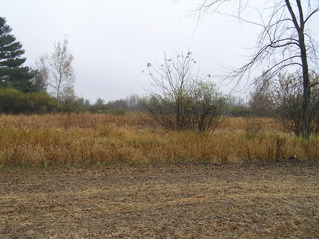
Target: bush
289,98
240,111
198,109
183,98
13,101
39,103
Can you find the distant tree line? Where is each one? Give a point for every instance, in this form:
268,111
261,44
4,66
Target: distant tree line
13,101
117,107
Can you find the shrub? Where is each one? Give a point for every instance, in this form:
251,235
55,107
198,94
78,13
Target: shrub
289,98
13,101
240,111
183,98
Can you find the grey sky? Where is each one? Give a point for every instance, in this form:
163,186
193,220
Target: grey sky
113,40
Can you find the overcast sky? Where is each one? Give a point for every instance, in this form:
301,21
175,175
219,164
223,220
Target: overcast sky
113,40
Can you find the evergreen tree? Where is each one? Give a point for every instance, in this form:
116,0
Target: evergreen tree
12,73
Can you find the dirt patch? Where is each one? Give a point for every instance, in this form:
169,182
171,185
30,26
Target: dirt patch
276,200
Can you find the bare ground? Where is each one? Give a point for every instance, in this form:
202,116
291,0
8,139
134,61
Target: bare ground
258,200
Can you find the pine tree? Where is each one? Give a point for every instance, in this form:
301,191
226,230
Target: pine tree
12,72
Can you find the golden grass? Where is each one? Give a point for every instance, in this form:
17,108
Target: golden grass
86,139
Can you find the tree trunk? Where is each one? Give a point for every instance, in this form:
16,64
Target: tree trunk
305,75
306,94
300,25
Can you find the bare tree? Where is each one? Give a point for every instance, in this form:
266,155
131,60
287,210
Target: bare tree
262,99
62,73
285,40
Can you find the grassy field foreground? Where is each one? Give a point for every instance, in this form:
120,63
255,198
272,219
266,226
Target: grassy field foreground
87,139
251,200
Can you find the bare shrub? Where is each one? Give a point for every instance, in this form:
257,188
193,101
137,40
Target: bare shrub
183,98
289,103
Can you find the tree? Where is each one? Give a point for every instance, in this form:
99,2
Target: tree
237,107
289,102
99,106
12,72
118,104
133,102
182,98
285,41
62,74
40,81
262,100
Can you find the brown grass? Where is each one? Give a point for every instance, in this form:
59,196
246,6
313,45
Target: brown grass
87,139
264,196
255,200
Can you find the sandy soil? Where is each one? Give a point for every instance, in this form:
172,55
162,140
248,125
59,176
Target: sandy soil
259,200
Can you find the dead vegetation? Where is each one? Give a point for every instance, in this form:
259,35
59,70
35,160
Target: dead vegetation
252,200
179,184
88,139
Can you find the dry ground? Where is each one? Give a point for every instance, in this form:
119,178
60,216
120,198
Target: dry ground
259,200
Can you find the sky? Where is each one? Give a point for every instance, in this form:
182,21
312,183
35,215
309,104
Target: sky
113,40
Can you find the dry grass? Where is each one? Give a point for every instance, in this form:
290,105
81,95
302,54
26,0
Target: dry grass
87,139
258,200
266,196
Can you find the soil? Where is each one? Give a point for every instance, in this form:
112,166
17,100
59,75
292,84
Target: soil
251,200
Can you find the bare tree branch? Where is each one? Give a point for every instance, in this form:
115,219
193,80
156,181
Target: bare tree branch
283,32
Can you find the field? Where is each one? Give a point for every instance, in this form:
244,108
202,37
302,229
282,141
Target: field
251,200
104,176
87,139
